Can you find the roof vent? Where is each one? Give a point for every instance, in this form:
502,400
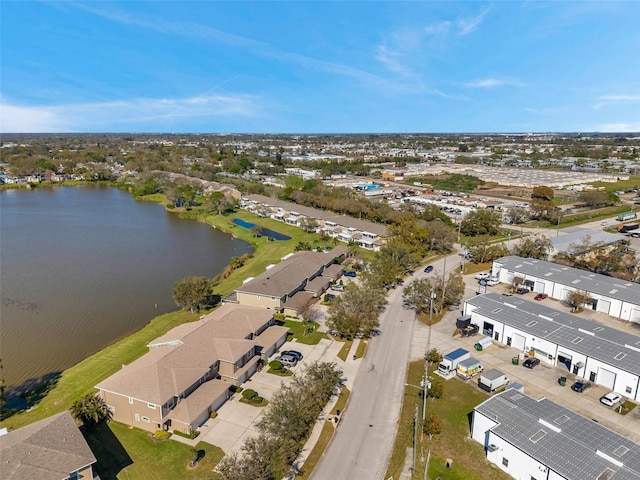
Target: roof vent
577,340
538,436
560,420
620,356
621,450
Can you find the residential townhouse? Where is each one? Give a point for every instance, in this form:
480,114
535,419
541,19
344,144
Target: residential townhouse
612,296
365,234
51,449
287,286
187,373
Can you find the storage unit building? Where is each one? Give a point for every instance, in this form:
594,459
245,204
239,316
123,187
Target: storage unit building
539,439
611,296
591,350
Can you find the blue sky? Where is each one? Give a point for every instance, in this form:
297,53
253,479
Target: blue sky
320,67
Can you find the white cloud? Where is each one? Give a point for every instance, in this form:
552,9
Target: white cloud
438,29
618,127
125,115
493,82
605,100
466,26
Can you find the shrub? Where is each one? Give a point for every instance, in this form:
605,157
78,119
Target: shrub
235,389
279,317
276,365
191,435
213,415
162,435
248,394
257,399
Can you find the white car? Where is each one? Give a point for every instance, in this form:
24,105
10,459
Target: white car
482,276
492,282
611,399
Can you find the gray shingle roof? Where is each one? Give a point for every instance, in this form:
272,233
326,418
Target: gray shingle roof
597,340
568,447
591,282
49,450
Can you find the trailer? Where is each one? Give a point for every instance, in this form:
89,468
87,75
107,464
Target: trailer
468,368
467,329
451,360
492,380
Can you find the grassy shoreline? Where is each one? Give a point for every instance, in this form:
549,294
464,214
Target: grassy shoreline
82,377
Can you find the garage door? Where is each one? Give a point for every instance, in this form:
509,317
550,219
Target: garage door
563,295
604,306
606,378
635,315
518,341
539,287
564,360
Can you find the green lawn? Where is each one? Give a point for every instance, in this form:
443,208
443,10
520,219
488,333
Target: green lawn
452,411
344,351
619,185
129,453
301,333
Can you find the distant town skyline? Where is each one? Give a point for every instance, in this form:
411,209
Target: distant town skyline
320,67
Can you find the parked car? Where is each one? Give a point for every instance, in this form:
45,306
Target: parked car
482,276
428,269
522,291
580,386
540,296
292,353
611,399
350,274
531,362
337,288
604,224
288,360
493,283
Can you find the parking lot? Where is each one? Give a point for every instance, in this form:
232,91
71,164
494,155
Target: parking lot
542,381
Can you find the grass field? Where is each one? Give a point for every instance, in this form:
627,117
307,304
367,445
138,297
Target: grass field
131,454
452,411
301,333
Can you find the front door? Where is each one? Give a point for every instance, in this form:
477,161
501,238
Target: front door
576,369
508,341
592,376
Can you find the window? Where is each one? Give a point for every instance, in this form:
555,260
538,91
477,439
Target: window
249,355
505,462
628,389
151,406
170,404
137,417
130,400
145,419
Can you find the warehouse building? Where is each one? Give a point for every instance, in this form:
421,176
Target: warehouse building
541,440
611,296
599,353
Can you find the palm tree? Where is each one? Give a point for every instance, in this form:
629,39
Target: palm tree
91,410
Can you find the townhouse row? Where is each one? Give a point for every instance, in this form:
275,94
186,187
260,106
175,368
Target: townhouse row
365,234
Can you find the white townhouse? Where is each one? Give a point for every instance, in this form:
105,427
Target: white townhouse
612,296
533,439
365,234
603,355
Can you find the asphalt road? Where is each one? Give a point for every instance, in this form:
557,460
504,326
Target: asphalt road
363,442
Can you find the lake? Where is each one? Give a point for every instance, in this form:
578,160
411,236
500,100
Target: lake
81,267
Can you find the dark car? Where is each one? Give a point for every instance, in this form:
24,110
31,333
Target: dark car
292,353
428,269
522,290
580,386
350,274
531,362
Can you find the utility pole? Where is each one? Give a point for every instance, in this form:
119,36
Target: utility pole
415,440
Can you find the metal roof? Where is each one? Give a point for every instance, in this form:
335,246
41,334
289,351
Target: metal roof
568,443
572,277
595,340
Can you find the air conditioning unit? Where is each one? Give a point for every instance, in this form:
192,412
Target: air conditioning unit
492,447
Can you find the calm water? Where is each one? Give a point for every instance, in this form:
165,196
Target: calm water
84,266
267,232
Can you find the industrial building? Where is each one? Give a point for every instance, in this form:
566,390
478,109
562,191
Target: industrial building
609,295
588,349
541,440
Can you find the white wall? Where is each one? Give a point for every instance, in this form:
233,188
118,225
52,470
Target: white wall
623,380
520,465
